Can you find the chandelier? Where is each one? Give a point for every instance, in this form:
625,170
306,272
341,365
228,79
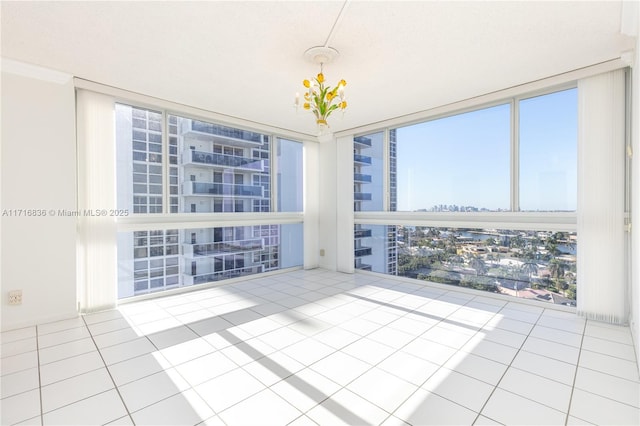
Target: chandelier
319,98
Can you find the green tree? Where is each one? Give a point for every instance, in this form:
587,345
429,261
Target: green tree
478,264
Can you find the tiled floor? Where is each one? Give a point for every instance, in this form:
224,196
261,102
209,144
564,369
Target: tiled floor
317,347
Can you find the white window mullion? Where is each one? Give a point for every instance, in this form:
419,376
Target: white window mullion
515,156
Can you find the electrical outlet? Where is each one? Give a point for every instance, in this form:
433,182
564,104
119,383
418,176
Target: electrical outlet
321,252
15,297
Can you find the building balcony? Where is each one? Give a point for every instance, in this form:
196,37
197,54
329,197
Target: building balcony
223,189
362,233
227,247
191,156
362,196
362,159
224,133
362,251
360,177
364,267
361,140
206,277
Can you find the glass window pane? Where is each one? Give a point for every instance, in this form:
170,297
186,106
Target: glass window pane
289,176
204,255
548,152
368,172
456,163
134,157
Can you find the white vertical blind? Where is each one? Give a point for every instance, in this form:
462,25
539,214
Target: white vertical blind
97,236
602,280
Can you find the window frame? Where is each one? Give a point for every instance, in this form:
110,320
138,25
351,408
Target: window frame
514,219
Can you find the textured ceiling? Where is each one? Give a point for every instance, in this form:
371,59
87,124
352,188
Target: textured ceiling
245,59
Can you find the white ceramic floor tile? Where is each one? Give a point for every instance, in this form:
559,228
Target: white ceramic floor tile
21,407
607,364
511,409
71,390
369,350
157,326
459,388
408,367
99,328
381,388
485,421
64,336
122,421
206,367
18,347
535,388
174,336
336,337
229,389
504,337
151,389
21,381
551,349
603,411
490,350
449,335
136,368
264,408
209,325
478,367
19,362
186,408
52,327
429,350
543,366
305,389
509,324
104,316
308,351
612,387
127,350
558,336
569,322
341,367
608,347
426,408
66,350
17,334
282,337
98,409
614,333
116,337
70,367
346,408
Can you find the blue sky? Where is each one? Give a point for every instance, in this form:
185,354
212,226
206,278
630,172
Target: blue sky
465,159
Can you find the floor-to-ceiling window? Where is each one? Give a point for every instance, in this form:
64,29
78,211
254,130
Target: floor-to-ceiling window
172,164
489,195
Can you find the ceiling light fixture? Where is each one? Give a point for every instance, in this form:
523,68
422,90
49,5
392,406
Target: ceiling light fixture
319,98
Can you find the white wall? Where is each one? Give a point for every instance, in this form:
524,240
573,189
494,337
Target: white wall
635,199
38,172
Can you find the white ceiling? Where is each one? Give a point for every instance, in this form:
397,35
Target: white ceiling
245,59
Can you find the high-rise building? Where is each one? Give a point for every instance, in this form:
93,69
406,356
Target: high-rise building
375,246
212,168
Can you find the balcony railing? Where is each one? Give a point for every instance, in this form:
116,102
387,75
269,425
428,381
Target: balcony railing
362,233
361,140
226,160
225,189
362,251
359,177
359,158
241,246
229,132
362,196
217,276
